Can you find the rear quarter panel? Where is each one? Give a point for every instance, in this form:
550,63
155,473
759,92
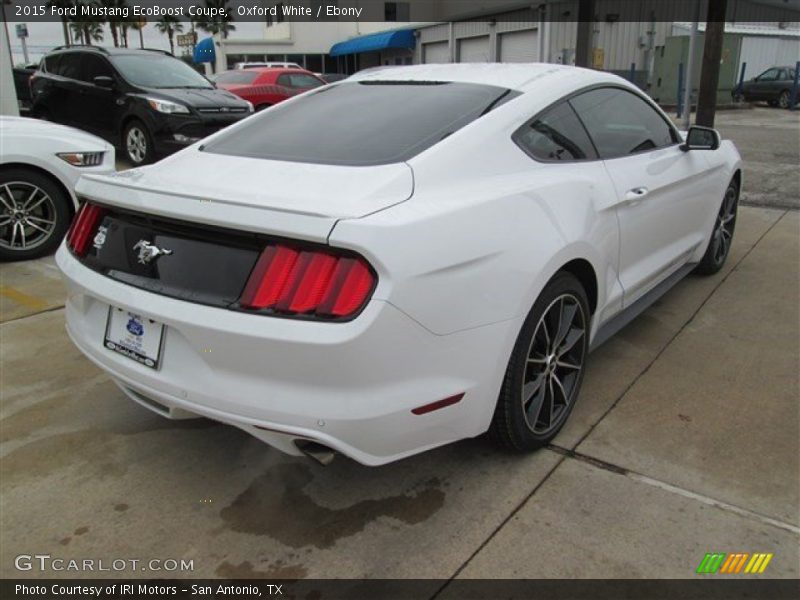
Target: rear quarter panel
478,248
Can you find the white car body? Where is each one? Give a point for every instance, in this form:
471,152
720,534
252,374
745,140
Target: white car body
254,65
463,237
34,143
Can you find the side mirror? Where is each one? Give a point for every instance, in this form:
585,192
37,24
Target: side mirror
104,81
701,138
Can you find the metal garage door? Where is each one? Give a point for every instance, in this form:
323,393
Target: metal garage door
519,46
472,50
435,52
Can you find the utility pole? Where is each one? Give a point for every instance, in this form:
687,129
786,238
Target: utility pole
583,45
687,98
712,54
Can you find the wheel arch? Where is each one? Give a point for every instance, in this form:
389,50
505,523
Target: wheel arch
72,204
127,120
737,177
584,272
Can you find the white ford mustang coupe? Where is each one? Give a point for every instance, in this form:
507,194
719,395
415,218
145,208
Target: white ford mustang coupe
406,258
40,163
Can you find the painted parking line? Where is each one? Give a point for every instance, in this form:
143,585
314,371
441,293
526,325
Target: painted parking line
26,300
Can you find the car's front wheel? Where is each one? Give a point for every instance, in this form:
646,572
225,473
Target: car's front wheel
35,214
546,369
138,143
719,246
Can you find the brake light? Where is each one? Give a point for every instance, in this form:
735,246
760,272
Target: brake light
308,282
83,227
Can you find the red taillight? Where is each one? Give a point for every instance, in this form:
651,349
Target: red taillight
84,227
308,282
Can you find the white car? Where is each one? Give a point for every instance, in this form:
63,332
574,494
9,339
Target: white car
397,261
255,65
40,163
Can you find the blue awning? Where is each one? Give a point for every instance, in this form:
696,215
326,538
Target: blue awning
373,42
204,51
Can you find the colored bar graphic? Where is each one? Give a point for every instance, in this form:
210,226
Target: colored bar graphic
734,563
711,562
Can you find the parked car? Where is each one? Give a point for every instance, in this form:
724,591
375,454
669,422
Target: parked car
773,86
22,76
147,102
39,166
266,86
410,257
255,65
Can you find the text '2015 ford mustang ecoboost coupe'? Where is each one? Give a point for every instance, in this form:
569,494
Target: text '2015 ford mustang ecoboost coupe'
406,258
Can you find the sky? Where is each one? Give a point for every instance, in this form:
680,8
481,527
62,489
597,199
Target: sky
42,37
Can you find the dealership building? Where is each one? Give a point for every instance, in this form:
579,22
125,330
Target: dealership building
478,31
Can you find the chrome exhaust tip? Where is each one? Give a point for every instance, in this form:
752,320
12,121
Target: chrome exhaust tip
316,451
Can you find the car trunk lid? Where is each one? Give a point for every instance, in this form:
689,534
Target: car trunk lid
297,200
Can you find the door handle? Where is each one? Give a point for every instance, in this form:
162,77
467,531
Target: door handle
636,194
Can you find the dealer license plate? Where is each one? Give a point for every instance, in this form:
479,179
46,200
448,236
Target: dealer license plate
134,336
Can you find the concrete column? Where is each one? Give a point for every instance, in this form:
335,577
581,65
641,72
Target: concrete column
9,105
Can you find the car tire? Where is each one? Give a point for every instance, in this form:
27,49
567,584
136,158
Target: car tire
784,99
261,107
137,143
34,212
545,372
719,245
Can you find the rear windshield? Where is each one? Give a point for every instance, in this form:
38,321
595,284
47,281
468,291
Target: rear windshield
361,123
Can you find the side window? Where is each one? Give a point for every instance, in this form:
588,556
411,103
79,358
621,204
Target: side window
95,66
769,75
70,65
555,135
303,81
620,123
51,63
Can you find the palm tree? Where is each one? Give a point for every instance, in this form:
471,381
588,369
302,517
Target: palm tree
116,24
63,4
139,25
218,24
88,31
170,25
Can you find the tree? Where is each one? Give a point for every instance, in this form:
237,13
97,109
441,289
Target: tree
217,24
116,24
63,5
139,25
88,31
170,25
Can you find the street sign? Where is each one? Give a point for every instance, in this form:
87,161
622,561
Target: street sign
22,30
187,39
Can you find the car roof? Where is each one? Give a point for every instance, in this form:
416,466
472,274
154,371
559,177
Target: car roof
274,70
516,76
110,51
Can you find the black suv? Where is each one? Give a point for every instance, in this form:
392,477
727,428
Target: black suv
145,101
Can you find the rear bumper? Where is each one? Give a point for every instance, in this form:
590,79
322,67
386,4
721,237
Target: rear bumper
350,386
